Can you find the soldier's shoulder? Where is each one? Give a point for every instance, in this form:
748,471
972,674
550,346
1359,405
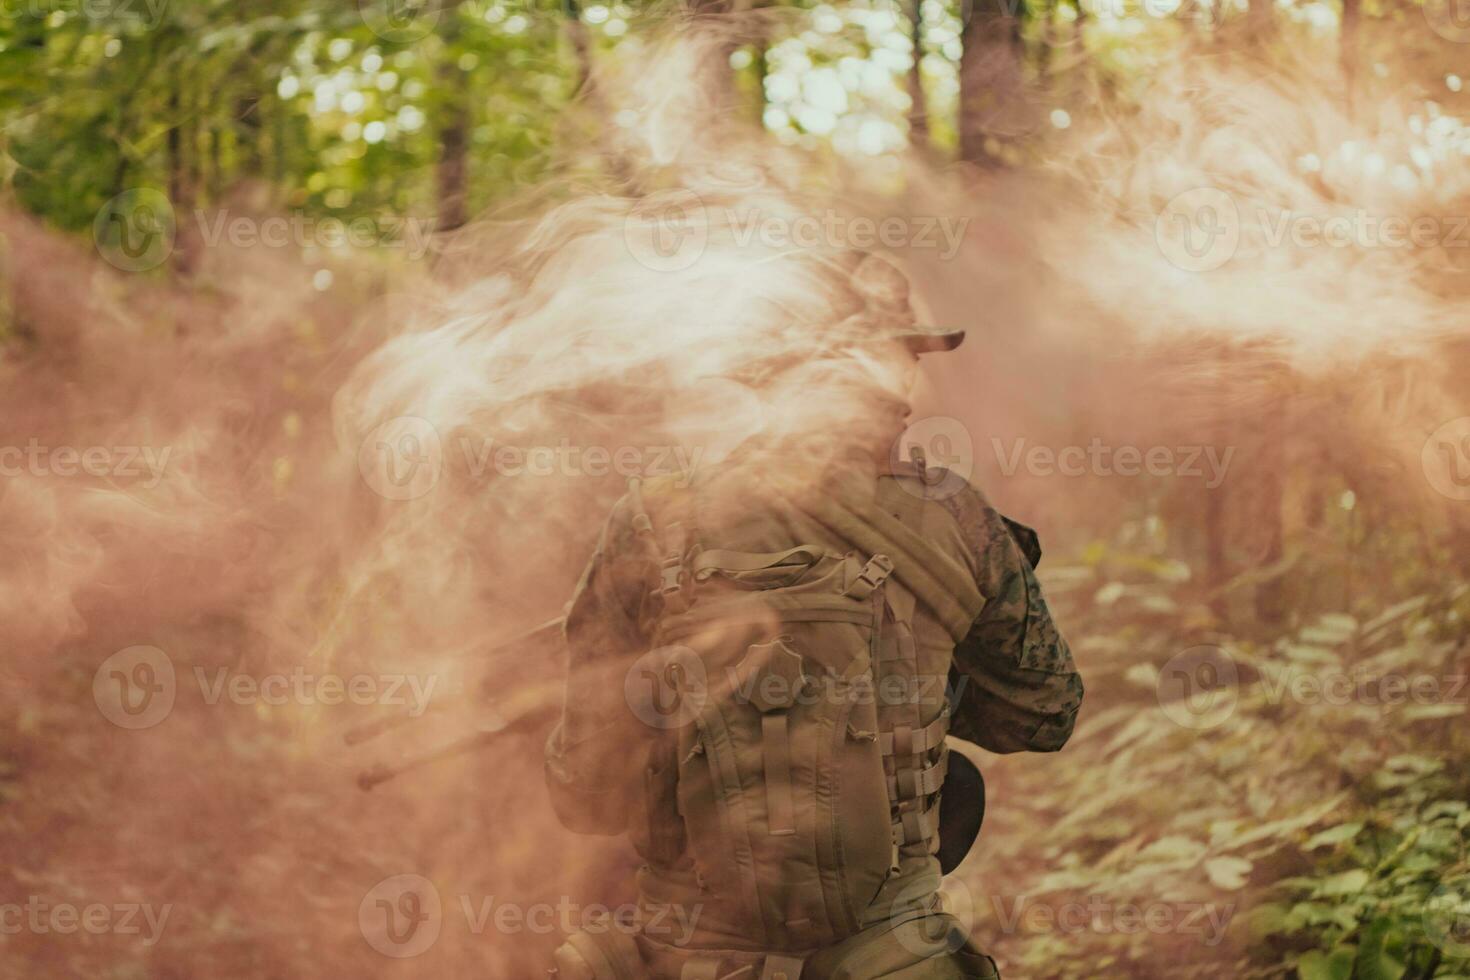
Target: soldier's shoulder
980,528
948,489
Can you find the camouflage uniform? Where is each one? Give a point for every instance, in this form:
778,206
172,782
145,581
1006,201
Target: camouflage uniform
1012,677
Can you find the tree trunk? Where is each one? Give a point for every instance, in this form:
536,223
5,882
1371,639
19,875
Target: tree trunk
1217,573
1271,456
1261,18
1048,48
581,48
918,104
990,79
588,92
453,171
1352,11
249,130
180,184
718,81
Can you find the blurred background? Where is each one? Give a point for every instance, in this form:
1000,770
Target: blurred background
261,262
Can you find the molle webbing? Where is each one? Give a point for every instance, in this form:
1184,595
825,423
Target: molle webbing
764,609
713,560
936,579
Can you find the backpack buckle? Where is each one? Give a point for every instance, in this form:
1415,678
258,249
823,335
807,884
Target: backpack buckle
873,575
671,569
671,576
779,967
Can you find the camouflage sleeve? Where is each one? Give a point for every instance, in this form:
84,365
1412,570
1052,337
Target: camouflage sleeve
592,755
1019,689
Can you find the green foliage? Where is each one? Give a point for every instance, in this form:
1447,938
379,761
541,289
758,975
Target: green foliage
308,96
1317,805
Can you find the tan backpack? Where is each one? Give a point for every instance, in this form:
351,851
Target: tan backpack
808,749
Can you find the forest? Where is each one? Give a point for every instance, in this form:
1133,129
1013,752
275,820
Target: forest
1212,259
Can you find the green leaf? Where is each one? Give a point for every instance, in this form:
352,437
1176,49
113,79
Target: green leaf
1174,847
1420,764
1374,962
1445,808
1268,920
1394,612
1333,836
1227,872
1317,965
1345,883
1424,712
1304,653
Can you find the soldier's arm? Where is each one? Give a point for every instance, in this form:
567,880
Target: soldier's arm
594,754
1018,687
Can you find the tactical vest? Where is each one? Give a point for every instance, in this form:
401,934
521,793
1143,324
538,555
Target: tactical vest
805,754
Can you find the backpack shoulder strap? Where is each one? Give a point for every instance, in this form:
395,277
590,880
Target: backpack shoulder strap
669,545
939,580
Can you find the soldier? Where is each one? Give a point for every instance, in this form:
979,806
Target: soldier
763,669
